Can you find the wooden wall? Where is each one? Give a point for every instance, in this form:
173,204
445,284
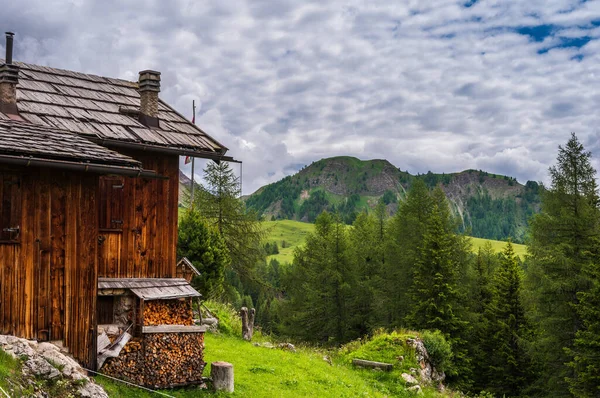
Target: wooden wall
138,221
74,227
48,271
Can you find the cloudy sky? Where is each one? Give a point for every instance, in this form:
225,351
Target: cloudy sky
438,85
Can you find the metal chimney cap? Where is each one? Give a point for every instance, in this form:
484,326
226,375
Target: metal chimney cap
10,34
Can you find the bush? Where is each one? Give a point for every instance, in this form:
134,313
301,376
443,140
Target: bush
230,322
439,350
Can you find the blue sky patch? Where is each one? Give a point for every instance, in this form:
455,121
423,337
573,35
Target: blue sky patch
566,42
537,33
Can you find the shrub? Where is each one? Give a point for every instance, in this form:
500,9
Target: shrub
230,322
439,350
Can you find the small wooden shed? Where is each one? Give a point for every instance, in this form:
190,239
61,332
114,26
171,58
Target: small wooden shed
89,181
151,311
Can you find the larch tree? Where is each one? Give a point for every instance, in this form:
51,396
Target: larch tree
219,203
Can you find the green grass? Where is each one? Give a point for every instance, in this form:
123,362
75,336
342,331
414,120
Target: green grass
10,368
271,372
294,234
498,246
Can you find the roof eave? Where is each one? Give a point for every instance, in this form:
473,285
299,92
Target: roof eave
31,161
217,156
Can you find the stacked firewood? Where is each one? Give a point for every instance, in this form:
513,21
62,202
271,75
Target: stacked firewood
129,365
169,360
173,359
168,312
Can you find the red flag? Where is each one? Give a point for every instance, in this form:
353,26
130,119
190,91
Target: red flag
188,159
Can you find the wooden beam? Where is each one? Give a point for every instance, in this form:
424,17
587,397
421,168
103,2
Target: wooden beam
372,364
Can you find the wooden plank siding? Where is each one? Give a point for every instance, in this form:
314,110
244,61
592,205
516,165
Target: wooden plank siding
49,268
48,276
145,245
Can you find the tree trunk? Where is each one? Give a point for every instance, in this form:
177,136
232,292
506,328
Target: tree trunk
247,323
221,374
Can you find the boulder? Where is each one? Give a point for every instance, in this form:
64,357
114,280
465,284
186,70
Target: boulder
409,379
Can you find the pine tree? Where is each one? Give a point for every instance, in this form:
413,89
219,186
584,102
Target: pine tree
508,366
564,239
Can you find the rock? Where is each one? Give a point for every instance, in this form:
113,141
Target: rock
92,390
40,367
327,359
409,379
428,373
416,389
45,360
287,346
400,358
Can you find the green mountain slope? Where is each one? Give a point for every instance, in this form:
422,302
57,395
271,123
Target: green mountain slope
289,234
489,206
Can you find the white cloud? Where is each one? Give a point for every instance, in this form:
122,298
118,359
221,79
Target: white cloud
427,85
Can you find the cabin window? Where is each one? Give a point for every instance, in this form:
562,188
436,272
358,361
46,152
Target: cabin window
106,308
10,207
111,203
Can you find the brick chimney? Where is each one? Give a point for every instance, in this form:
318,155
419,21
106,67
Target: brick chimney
149,87
9,78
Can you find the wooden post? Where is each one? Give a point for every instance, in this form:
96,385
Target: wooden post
247,323
221,374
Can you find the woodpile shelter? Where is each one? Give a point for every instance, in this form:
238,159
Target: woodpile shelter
163,347
89,179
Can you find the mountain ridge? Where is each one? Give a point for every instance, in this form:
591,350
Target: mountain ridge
492,206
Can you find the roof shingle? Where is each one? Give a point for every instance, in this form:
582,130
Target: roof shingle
23,138
90,105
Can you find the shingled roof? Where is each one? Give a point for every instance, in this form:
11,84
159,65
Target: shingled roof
103,109
25,143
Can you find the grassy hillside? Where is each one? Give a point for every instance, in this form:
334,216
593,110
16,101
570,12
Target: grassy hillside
263,372
491,206
293,233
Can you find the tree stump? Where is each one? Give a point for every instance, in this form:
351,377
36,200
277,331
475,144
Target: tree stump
247,323
221,374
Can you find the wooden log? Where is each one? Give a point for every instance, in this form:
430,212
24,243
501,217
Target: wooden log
221,374
247,323
372,364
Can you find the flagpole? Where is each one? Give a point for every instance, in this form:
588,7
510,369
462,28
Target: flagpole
193,158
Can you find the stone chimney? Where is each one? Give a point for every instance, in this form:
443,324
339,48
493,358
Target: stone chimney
9,78
149,87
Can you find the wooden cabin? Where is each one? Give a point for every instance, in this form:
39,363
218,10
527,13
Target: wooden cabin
89,170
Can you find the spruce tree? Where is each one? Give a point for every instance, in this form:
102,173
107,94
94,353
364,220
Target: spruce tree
205,248
586,350
485,265
435,295
366,255
320,286
508,366
404,237
564,240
